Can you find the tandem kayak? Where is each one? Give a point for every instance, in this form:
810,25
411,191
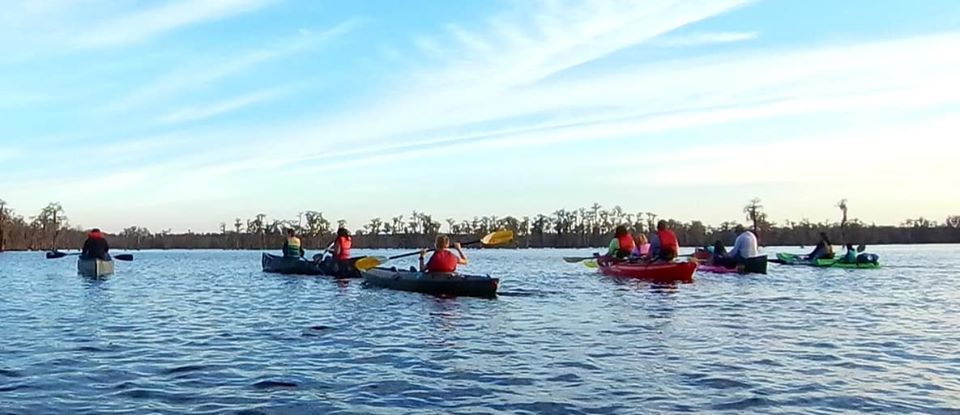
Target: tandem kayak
297,266
94,267
865,261
755,265
663,272
435,283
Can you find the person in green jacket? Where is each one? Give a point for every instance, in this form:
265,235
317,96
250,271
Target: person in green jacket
622,244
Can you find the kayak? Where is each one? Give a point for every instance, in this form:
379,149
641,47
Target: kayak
755,265
94,267
297,266
793,259
435,283
663,272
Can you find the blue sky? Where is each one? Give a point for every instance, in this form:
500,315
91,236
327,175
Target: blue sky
186,113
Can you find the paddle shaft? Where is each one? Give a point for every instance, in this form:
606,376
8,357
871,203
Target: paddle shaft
430,250
119,257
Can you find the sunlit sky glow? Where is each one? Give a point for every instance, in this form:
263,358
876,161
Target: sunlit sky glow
186,113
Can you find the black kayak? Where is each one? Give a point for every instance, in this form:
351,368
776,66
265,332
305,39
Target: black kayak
297,266
435,283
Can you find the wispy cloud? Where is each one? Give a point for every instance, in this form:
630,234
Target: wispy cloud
202,112
191,76
704,38
159,19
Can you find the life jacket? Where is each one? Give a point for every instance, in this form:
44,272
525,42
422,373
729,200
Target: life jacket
626,243
292,248
344,242
668,241
643,249
442,261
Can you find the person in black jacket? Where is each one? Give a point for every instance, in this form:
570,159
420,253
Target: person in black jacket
95,246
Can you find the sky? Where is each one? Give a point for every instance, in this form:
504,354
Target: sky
181,114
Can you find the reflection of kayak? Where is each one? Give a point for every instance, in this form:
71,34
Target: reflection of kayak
436,283
664,272
793,259
297,266
755,265
94,267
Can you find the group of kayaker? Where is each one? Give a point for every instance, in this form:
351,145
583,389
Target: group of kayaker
662,246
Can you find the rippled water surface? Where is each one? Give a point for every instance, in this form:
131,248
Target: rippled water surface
208,332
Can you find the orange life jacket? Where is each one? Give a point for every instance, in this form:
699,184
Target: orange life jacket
668,241
626,243
345,243
442,261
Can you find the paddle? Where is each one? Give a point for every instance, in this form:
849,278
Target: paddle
494,238
58,255
576,259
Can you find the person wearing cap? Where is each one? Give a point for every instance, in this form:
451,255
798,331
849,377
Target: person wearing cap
96,246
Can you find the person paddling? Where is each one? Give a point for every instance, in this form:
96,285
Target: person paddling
341,250
442,259
824,249
664,246
850,256
744,248
622,243
96,246
292,247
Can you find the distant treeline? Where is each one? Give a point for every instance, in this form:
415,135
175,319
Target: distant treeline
585,227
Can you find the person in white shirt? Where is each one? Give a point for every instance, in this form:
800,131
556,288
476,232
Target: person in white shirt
744,248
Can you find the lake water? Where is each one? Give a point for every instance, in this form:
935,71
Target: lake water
208,332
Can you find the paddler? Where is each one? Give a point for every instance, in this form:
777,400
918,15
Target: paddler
442,259
824,249
291,246
850,256
622,243
341,250
664,246
744,248
95,247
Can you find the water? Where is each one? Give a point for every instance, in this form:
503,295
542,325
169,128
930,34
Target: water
207,332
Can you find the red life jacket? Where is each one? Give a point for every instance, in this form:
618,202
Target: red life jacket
668,241
442,261
626,243
345,243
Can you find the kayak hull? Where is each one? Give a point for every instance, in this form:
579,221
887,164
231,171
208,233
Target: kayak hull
296,266
663,272
792,259
94,267
756,265
434,283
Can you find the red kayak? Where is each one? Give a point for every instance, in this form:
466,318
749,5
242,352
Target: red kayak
664,272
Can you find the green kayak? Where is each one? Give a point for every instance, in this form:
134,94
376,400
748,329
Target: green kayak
869,261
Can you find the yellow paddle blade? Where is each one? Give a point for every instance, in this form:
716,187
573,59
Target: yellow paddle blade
497,238
591,264
369,262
